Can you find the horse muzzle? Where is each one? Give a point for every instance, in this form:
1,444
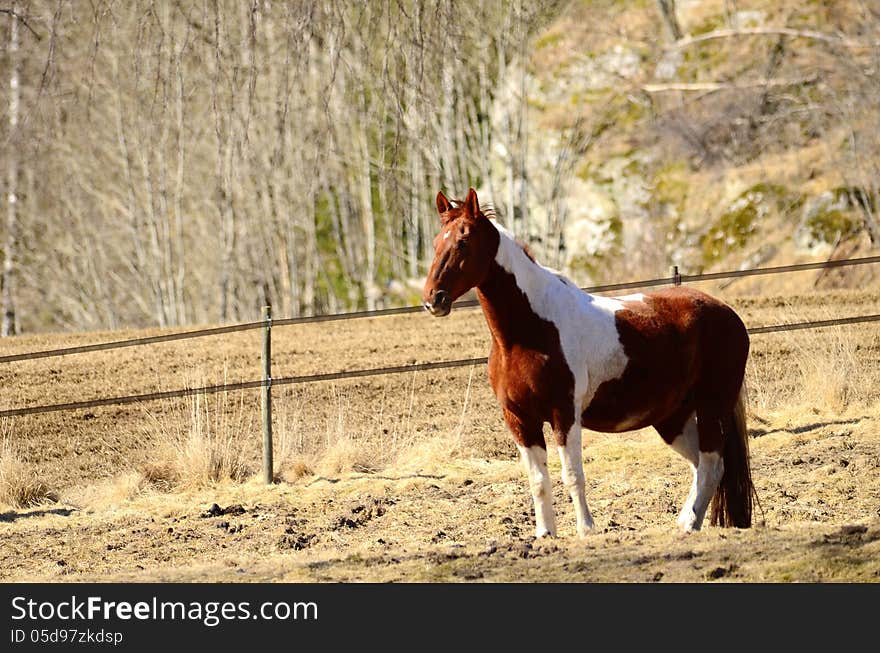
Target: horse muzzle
440,304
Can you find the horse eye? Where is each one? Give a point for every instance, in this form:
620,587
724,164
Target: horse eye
461,245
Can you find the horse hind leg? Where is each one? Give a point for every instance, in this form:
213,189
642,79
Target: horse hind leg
687,445
707,468
710,470
710,466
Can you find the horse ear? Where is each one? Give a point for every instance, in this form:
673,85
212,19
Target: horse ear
472,204
443,204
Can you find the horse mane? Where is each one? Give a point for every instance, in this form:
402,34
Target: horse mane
525,249
488,211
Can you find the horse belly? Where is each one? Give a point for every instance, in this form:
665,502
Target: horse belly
643,395
617,407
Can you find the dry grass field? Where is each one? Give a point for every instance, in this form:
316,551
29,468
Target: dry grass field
413,477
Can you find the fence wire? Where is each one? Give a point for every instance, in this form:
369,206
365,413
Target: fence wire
353,374
247,326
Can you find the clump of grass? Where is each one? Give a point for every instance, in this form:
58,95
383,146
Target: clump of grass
353,436
211,441
216,438
345,442
20,487
112,492
827,370
834,376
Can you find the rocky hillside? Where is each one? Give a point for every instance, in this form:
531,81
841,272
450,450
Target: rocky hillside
750,140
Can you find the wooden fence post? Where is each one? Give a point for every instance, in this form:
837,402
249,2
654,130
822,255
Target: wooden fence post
266,403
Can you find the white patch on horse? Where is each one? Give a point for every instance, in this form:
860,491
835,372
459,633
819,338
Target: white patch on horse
535,461
587,331
447,234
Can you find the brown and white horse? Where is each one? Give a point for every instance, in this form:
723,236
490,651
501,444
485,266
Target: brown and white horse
672,359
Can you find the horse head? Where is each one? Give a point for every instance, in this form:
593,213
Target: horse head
463,252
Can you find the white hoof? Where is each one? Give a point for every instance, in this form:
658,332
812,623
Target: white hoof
585,529
687,521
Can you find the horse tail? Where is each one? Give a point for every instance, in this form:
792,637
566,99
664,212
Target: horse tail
734,499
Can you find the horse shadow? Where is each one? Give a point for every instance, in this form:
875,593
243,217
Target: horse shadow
12,515
803,428
327,479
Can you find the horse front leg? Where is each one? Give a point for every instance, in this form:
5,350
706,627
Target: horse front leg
533,451
568,440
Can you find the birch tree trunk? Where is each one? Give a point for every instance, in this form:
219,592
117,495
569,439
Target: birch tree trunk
522,130
223,187
368,276
415,207
10,247
180,285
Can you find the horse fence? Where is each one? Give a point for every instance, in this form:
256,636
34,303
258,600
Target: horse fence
266,324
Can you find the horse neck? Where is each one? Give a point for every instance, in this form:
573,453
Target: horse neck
511,289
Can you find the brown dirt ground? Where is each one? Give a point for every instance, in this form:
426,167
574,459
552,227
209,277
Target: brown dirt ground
449,501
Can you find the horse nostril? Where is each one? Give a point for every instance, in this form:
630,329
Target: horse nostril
441,298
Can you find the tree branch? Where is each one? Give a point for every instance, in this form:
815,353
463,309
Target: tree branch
836,39
22,20
718,86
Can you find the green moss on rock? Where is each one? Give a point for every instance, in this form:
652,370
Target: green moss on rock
671,186
830,216
549,40
742,217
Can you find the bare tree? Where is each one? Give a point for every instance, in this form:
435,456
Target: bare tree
670,18
10,248
194,160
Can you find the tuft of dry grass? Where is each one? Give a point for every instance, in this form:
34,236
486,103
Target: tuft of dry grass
20,487
209,442
343,443
840,374
828,370
111,493
213,439
365,442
